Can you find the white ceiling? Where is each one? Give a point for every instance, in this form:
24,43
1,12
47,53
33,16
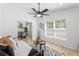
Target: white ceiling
49,6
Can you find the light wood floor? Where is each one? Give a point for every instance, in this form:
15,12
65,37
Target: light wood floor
66,51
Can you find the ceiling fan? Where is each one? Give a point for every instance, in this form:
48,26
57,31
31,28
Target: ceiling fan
38,12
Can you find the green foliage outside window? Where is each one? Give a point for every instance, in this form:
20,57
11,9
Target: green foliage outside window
60,24
50,24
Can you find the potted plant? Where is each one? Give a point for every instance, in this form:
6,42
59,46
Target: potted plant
26,30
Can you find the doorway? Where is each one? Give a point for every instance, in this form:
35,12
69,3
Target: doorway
24,29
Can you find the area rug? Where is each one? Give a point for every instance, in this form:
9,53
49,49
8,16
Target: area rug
50,52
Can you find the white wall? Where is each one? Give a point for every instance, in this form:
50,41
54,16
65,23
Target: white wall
0,19
0,26
72,20
10,15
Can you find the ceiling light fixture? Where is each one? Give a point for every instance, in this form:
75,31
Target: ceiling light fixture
38,15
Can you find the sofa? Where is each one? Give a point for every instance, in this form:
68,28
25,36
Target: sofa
16,48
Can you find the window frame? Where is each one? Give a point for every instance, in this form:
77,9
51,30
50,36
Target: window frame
54,30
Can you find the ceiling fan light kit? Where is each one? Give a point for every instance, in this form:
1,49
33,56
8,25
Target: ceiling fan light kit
39,15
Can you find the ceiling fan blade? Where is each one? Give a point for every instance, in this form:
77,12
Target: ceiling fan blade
34,16
44,10
34,10
46,14
30,13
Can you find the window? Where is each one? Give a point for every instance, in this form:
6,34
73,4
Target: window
56,29
60,24
50,24
49,28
